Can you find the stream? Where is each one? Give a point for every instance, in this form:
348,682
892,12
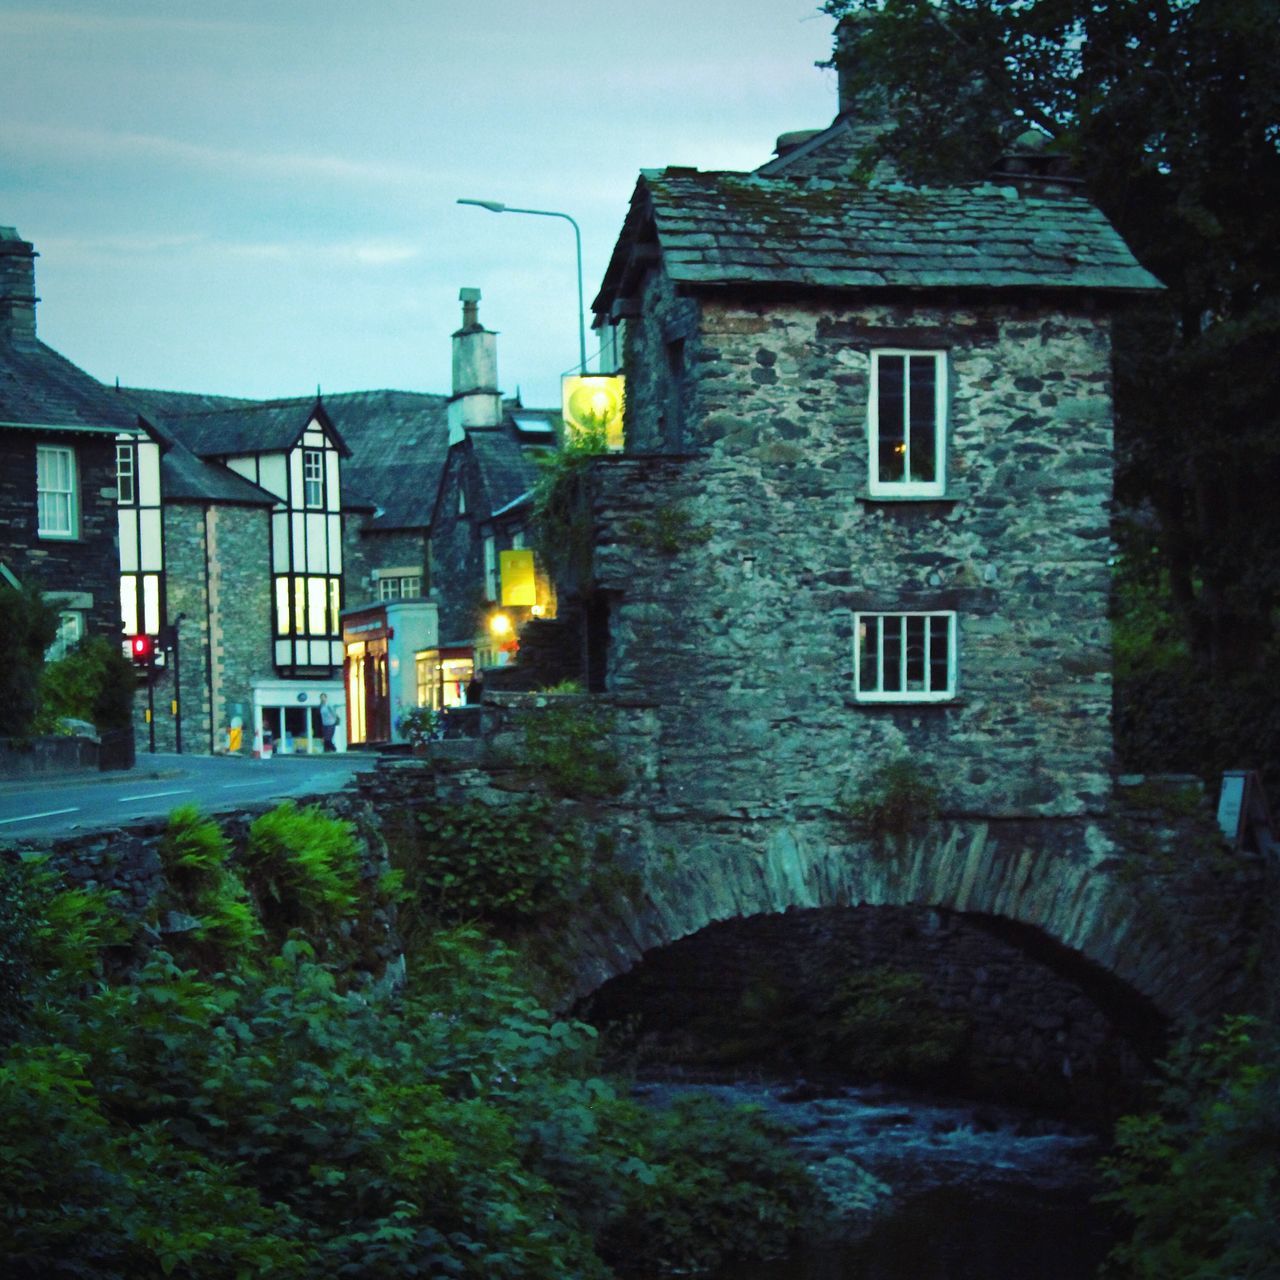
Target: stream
927,1188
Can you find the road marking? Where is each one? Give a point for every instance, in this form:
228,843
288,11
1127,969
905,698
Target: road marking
240,786
154,795
31,817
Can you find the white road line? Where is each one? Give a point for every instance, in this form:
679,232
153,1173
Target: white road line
31,817
240,786
154,795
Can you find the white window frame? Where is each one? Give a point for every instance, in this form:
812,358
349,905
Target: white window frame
57,507
70,633
403,586
897,664
126,475
907,487
313,479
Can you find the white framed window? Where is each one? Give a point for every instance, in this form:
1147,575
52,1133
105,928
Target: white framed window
907,423
57,507
904,657
126,475
70,633
490,548
313,477
403,587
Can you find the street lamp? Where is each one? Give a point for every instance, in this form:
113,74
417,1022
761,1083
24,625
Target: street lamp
496,206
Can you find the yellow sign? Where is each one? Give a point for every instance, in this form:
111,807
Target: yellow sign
593,408
519,586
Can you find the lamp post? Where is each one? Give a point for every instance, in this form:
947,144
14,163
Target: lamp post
496,206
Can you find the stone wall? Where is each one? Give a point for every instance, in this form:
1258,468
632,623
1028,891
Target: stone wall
738,568
88,566
1040,1026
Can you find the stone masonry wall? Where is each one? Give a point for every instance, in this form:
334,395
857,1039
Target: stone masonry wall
89,563
742,636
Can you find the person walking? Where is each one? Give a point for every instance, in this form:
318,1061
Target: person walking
328,722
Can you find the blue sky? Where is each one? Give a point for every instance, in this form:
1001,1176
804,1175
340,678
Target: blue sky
254,197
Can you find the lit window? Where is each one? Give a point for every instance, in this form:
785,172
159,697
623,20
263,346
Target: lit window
906,419
313,477
126,474
56,492
905,657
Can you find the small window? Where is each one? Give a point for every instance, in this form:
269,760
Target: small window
313,477
905,657
58,513
405,587
906,420
126,475
70,633
462,501
490,547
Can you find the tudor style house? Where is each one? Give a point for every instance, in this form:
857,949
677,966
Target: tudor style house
60,434
877,421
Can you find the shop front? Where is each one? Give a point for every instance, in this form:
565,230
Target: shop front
380,673
286,717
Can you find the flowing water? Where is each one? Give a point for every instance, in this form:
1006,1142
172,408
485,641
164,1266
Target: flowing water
923,1188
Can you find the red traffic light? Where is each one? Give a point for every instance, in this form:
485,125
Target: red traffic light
142,649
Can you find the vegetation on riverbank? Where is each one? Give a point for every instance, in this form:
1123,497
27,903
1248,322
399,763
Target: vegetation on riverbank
242,1106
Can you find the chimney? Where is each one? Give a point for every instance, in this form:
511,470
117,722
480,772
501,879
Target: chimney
17,287
476,401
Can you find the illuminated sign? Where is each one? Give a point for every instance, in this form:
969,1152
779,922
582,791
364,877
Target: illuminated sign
593,408
518,585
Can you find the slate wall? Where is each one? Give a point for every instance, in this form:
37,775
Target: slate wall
87,563
741,635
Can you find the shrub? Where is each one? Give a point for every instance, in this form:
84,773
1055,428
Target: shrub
303,866
202,883
562,525
1199,1178
510,864
569,749
29,627
894,801
94,682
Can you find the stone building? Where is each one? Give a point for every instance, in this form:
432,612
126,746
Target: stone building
863,508
59,434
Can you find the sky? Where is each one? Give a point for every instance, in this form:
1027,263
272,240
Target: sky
258,197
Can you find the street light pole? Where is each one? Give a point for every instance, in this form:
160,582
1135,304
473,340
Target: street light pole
496,206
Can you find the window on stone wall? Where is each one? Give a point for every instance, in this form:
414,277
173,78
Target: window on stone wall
403,587
489,546
57,502
70,633
907,423
905,657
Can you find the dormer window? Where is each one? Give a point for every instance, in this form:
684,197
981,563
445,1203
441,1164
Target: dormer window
313,478
907,423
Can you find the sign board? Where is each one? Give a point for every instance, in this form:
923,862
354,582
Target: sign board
519,586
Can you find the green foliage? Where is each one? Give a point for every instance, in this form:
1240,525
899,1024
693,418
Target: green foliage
893,802
562,525
568,747
93,682
883,1024
421,724
29,627
1199,1178
507,864
303,867
268,1124
202,883
669,530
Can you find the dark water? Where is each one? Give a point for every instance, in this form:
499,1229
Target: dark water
932,1189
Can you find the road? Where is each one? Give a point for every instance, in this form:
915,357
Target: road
31,808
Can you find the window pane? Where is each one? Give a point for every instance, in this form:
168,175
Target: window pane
283,627
940,655
317,606
869,655
129,603
313,477
915,653
891,649
151,603
335,606
891,418
923,399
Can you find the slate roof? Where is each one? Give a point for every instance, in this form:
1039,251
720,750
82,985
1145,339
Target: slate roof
270,426
507,471
733,229
40,388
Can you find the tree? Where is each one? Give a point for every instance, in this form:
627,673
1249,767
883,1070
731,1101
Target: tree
1169,110
29,627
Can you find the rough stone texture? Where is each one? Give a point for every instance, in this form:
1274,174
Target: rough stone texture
88,563
744,636
1041,1026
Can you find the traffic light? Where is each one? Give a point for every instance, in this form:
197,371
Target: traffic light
142,649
